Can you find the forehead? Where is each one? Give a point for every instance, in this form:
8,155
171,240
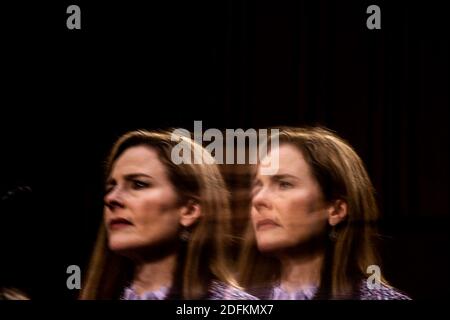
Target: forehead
291,160
139,159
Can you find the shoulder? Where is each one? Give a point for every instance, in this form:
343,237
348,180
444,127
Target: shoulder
221,291
380,291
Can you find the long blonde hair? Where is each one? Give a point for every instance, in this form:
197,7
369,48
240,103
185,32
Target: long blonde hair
204,256
341,175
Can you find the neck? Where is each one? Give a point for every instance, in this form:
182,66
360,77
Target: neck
299,271
154,274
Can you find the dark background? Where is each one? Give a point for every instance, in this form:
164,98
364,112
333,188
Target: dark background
66,95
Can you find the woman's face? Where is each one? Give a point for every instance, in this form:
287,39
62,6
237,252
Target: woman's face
141,204
287,207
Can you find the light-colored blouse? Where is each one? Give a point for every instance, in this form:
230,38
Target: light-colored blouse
304,293
217,291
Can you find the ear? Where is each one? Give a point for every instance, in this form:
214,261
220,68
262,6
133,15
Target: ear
190,213
337,212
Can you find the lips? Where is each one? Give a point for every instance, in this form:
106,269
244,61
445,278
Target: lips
266,224
119,223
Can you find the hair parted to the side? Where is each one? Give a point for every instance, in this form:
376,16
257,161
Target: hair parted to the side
342,176
205,256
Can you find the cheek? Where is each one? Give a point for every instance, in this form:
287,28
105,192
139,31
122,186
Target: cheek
292,206
156,213
300,203
153,203
302,216
253,214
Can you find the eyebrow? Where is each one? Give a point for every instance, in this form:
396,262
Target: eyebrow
283,176
277,177
129,177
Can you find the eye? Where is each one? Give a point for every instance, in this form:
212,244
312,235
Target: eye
108,189
285,184
138,184
256,186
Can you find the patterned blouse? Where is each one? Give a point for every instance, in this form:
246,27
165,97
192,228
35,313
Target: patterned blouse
305,293
217,291
382,292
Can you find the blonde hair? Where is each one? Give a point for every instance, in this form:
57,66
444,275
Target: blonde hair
12,294
341,175
204,257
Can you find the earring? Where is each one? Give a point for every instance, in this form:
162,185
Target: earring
185,235
333,234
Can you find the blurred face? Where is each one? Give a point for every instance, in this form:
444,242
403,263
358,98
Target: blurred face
141,207
287,208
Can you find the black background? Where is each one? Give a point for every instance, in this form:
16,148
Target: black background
66,95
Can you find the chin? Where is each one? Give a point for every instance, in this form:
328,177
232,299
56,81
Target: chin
121,244
119,248
270,246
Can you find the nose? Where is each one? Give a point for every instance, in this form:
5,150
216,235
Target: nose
114,199
261,200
